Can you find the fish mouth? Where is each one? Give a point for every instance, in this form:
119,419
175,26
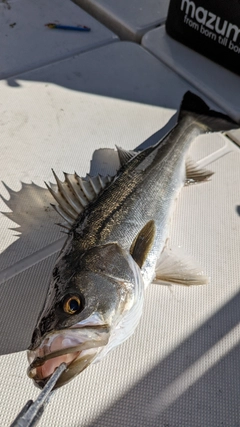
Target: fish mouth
77,348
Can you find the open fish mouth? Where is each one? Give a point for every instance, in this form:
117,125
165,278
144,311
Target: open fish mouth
77,348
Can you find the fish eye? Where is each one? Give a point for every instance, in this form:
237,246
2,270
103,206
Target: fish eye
72,304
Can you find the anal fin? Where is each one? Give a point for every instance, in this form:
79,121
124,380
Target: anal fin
195,173
174,269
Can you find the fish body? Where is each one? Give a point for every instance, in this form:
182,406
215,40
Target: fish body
96,293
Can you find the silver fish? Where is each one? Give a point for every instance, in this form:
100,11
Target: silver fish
118,229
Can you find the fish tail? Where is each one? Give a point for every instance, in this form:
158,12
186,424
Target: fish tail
214,120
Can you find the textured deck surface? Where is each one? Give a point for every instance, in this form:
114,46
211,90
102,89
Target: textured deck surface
181,366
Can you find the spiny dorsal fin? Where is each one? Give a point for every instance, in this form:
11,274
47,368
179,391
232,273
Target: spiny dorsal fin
125,155
143,242
75,193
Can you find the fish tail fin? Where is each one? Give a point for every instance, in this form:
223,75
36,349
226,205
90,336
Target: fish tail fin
214,120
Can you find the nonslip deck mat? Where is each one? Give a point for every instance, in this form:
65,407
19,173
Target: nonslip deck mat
184,353
180,367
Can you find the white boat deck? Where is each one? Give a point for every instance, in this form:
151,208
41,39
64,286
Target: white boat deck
63,96
129,19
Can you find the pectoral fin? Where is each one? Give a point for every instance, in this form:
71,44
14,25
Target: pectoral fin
178,270
143,242
195,173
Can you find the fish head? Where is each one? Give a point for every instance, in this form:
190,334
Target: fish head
90,296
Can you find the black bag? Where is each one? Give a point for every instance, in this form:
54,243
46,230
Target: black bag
211,27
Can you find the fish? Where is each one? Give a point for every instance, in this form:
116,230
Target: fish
117,229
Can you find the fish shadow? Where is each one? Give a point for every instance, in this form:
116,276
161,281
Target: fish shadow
27,262
23,281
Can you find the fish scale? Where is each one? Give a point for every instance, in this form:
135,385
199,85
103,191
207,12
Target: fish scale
115,247
150,188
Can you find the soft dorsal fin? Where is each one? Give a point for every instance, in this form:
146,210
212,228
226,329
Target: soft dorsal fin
196,173
75,193
125,155
143,242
